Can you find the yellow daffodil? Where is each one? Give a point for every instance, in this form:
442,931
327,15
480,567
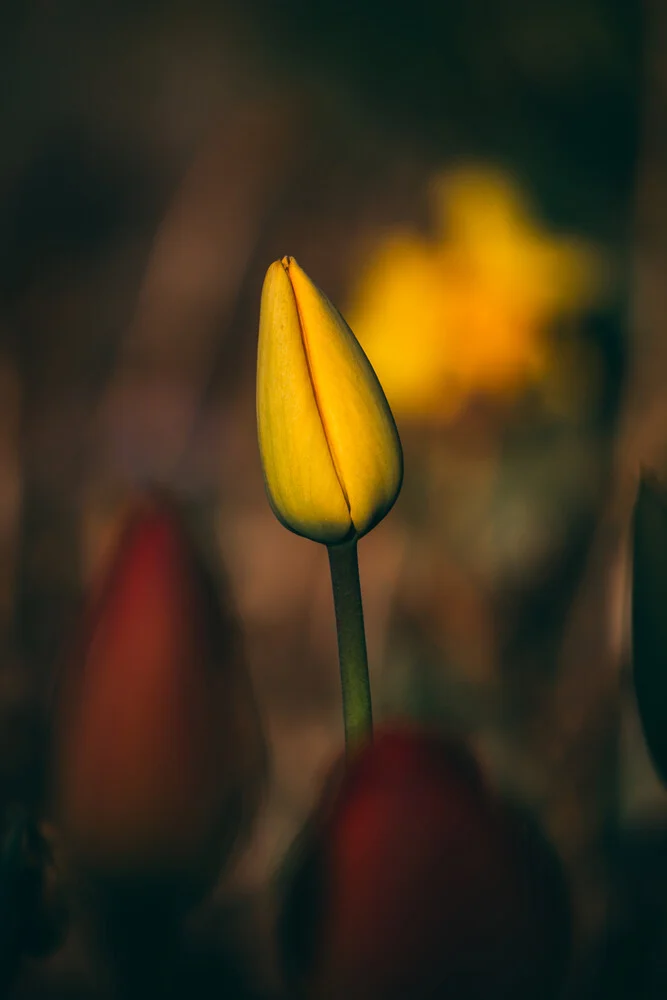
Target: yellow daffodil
470,310
330,451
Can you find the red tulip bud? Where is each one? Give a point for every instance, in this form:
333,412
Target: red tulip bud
158,746
414,882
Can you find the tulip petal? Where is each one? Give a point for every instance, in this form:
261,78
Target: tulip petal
358,422
300,475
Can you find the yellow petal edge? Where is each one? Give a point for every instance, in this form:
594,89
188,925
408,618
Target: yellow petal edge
300,477
358,422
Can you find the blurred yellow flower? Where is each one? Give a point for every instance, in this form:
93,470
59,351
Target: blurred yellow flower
469,311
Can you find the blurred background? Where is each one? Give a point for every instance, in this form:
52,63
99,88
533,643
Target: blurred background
482,189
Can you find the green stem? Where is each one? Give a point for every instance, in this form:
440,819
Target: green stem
357,712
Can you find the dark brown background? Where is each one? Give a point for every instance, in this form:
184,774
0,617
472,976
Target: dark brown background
154,159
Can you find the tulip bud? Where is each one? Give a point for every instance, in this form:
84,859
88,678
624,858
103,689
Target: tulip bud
158,748
413,881
330,450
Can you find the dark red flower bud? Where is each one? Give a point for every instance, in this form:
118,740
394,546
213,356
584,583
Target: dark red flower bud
413,881
158,749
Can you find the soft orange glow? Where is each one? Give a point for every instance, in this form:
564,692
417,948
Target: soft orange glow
469,311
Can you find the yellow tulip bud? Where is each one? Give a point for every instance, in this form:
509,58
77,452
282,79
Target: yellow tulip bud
330,450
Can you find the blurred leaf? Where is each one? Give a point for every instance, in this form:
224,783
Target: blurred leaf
12,900
33,916
649,617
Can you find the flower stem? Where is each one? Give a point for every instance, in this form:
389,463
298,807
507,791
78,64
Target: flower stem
357,712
